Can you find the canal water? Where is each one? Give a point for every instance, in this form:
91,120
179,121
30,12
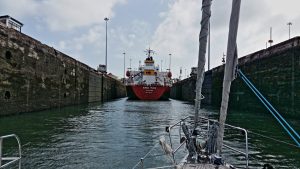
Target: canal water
117,134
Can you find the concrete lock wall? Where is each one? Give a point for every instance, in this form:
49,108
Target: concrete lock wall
95,87
34,76
274,71
185,89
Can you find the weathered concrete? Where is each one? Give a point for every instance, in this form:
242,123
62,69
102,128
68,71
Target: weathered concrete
274,71
185,89
34,76
95,87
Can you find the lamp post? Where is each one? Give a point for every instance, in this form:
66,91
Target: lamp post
165,62
208,54
289,24
106,19
170,62
271,40
223,58
124,65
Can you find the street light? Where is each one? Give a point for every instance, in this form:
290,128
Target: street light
170,62
208,54
289,24
130,62
271,40
223,58
124,65
106,19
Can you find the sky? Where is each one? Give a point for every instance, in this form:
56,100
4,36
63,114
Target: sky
77,28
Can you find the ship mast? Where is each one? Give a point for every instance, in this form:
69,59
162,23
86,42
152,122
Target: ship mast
149,51
206,13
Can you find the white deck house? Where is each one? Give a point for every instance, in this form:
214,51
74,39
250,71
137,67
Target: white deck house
10,22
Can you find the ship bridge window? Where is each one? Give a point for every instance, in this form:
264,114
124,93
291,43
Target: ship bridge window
8,55
148,73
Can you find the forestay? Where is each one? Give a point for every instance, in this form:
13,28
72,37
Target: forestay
230,68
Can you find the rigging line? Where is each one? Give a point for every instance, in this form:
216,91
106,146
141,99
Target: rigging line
275,116
271,138
269,104
272,113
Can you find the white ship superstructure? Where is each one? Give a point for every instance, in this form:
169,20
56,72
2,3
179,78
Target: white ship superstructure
148,83
149,74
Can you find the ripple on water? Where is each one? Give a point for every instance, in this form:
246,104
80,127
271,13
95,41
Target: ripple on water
116,134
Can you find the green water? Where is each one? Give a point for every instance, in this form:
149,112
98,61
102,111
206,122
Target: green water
117,134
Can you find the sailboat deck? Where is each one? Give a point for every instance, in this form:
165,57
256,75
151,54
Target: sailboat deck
203,166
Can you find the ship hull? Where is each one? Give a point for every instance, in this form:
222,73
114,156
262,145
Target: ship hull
140,92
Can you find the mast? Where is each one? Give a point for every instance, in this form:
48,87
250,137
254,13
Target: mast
208,53
206,13
230,66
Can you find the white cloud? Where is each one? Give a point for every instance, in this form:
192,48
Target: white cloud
92,36
19,8
62,15
256,19
79,44
77,27
76,13
62,45
178,34
89,47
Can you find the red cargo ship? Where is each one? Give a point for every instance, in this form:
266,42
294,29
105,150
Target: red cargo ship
148,83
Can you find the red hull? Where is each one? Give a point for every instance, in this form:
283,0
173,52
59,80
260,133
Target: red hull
148,92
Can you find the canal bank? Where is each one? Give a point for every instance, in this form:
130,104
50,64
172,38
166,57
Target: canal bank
274,71
34,76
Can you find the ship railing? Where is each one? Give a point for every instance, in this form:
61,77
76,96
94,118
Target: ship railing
204,124
149,157
9,161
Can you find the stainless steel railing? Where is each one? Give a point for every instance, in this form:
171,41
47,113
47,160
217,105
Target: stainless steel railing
204,124
205,130
8,161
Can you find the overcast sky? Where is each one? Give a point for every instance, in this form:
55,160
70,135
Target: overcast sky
77,28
